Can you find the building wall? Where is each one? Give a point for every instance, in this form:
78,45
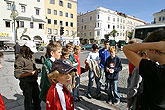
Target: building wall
55,28
25,15
159,17
104,22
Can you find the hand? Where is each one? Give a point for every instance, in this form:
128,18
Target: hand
73,86
107,69
111,70
35,72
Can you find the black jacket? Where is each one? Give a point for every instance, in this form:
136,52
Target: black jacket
113,63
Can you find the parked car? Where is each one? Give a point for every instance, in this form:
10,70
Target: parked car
87,47
40,55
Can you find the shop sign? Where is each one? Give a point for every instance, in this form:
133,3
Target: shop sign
4,35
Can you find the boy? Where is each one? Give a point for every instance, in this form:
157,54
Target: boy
58,97
53,52
94,73
112,67
151,72
1,55
103,54
77,50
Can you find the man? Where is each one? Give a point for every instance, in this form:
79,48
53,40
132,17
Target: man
17,49
103,54
152,73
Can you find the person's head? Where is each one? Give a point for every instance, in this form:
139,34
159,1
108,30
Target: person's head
53,50
95,48
155,36
28,49
106,44
65,53
62,71
132,41
112,51
77,49
69,46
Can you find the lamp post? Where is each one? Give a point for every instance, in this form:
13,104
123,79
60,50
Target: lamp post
14,14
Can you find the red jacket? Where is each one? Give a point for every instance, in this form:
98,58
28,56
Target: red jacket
53,101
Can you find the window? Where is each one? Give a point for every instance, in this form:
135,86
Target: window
159,18
85,26
55,12
71,24
108,26
120,27
49,30
98,33
90,18
72,33
37,11
117,19
21,24
90,33
71,15
84,34
9,6
61,23
81,27
38,0
98,24
66,23
123,21
66,14
81,34
23,9
41,26
108,18
31,25
113,27
67,32
60,2
7,23
69,5
82,20
49,21
61,13
55,22
163,18
55,31
113,19
98,16
123,27
52,1
117,26
49,11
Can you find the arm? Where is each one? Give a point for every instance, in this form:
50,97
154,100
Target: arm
131,50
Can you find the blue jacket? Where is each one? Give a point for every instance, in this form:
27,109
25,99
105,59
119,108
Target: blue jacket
113,63
103,54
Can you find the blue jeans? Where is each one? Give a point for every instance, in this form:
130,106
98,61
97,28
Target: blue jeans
90,84
102,74
77,86
112,87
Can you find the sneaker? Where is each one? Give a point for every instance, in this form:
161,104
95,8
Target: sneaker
89,96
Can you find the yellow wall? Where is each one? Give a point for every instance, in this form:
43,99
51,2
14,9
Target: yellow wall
59,18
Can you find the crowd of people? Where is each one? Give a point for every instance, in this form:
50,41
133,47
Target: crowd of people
61,71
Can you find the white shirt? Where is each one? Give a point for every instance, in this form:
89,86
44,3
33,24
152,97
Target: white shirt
52,59
93,55
61,95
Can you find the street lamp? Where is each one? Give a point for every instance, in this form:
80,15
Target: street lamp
14,14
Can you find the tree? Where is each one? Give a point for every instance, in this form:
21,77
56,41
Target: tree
113,33
130,35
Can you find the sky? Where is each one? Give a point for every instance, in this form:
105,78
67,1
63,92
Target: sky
141,9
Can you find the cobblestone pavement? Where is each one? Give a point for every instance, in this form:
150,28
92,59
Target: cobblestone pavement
13,98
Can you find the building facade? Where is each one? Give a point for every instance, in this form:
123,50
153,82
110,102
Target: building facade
94,25
29,21
61,13
159,17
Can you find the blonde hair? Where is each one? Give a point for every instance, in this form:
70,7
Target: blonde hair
77,47
111,49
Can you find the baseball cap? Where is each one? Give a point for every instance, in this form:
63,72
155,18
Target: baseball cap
63,66
31,45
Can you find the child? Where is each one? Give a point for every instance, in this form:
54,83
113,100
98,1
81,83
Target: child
1,55
69,46
112,67
53,52
58,97
151,72
65,55
93,58
135,89
26,72
77,50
